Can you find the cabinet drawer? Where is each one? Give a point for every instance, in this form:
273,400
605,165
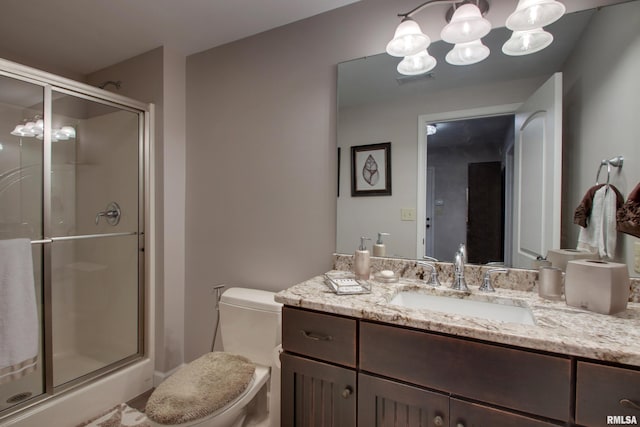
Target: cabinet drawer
606,391
526,381
322,336
472,414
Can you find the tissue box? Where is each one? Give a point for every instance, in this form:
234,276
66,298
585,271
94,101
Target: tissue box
560,257
598,286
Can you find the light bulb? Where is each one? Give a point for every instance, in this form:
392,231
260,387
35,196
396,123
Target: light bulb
527,42
532,14
467,53
467,24
69,131
408,39
419,63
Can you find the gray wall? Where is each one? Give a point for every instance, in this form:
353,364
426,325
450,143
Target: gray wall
261,155
602,108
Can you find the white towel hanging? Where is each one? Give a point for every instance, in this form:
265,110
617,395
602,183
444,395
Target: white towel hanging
600,234
18,311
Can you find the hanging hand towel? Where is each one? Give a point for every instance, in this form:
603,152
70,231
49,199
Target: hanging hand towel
583,211
600,233
18,311
628,215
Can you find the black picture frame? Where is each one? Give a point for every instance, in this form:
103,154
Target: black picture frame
371,170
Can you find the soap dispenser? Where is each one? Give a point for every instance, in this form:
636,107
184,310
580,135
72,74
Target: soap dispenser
361,261
379,249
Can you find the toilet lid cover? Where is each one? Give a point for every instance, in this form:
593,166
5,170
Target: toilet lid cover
204,386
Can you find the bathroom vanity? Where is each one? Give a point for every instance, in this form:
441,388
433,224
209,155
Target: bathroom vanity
360,361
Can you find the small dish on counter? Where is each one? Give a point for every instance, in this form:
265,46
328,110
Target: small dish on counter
386,276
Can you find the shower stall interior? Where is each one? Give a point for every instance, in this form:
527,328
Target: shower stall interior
72,186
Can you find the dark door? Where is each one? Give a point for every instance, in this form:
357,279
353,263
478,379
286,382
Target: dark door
485,218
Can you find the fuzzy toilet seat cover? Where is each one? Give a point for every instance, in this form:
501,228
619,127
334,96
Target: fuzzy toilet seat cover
199,389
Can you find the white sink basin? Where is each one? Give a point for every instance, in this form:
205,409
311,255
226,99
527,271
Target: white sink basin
465,307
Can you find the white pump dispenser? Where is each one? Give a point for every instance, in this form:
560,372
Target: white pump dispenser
361,261
379,248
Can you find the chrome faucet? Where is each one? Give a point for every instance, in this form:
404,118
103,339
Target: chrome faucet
459,284
433,278
486,282
463,251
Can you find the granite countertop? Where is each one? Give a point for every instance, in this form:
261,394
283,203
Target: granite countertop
559,328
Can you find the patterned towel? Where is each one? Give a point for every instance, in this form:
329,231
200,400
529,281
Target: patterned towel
121,416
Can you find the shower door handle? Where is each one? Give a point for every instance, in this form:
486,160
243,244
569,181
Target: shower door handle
112,214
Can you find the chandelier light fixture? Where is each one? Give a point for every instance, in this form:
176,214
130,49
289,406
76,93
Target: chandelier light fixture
465,28
34,128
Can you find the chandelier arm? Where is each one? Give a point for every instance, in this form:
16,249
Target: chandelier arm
425,4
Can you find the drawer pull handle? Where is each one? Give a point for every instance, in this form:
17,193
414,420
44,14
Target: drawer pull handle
629,404
438,421
316,337
347,392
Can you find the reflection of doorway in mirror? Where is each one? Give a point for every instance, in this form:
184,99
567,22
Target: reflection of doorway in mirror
431,211
450,155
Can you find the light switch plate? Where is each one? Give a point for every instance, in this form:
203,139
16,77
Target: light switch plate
408,214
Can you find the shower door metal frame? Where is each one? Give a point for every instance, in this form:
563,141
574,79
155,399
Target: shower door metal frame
50,83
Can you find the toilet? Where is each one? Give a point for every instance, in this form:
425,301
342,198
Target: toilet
222,389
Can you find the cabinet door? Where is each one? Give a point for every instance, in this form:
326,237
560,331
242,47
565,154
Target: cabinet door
316,394
607,395
384,403
465,414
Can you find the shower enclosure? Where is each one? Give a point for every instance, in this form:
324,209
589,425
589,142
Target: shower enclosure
73,164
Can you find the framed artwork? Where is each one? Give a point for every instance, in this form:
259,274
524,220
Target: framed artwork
371,170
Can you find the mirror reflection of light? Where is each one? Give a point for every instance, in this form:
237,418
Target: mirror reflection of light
533,14
466,28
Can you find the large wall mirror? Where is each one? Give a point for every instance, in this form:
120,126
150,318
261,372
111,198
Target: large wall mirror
464,183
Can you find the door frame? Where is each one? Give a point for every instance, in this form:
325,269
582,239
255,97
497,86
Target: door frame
423,120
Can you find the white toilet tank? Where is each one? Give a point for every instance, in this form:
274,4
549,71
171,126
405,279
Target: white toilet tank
250,324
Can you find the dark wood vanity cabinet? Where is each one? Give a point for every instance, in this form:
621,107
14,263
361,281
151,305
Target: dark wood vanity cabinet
318,389
340,371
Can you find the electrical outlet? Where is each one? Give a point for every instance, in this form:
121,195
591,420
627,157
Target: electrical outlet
408,214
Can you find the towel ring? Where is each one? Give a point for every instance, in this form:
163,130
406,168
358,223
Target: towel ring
615,161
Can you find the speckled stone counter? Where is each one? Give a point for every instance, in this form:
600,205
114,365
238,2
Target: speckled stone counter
559,328
515,278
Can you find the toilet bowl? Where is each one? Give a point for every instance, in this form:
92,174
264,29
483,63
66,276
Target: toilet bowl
222,389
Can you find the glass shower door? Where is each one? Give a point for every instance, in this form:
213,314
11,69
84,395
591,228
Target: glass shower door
94,222
21,207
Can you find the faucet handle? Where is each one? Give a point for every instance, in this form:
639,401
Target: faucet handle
486,282
433,279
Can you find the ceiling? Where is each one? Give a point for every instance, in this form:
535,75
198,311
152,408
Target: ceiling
83,36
